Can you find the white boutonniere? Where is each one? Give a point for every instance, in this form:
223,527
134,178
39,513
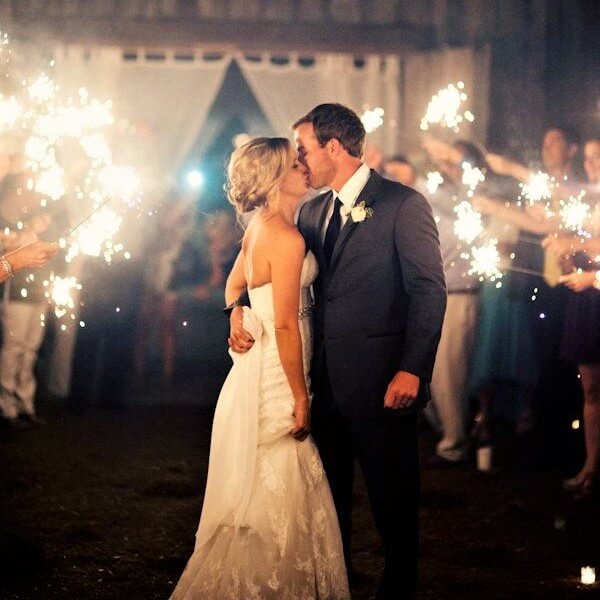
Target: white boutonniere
360,212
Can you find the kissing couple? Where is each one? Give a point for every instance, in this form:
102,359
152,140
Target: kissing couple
331,365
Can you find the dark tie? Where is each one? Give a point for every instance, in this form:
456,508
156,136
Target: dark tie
333,230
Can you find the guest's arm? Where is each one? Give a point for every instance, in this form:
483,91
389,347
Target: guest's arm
33,254
504,166
514,216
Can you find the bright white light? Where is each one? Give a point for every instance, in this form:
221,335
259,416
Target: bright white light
59,293
588,575
42,89
120,182
10,111
485,261
372,119
574,212
538,187
468,225
195,179
51,182
444,108
471,176
434,180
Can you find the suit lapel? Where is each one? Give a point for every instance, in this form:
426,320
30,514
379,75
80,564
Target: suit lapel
368,196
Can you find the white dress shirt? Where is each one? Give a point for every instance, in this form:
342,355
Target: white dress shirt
348,195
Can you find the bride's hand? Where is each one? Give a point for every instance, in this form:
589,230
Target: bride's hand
301,416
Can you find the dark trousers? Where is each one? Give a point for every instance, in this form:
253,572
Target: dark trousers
387,452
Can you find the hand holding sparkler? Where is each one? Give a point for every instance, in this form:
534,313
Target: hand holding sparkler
578,282
33,254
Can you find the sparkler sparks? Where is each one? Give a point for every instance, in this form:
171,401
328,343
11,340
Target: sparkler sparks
467,226
538,187
486,261
59,293
444,108
575,213
95,236
434,180
372,119
471,177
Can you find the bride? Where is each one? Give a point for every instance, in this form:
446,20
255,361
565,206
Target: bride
268,527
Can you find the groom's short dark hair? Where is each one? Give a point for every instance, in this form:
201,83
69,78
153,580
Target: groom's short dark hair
336,121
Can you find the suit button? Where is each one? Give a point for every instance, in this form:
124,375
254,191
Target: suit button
329,297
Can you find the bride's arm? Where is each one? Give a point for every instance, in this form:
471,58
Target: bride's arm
236,282
236,285
286,268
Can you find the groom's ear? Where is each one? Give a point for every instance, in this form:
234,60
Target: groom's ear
334,147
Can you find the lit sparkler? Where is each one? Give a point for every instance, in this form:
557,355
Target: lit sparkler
95,237
372,119
575,213
59,292
471,177
486,261
467,226
538,187
444,108
434,180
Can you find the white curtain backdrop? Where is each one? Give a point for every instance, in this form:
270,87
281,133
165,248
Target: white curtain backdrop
287,91
159,105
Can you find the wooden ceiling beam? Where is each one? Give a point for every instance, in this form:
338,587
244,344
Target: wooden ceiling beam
227,35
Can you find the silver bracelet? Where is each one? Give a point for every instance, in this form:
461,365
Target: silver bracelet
6,266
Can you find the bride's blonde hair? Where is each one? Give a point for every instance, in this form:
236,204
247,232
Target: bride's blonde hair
255,172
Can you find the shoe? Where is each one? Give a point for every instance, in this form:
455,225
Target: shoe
439,462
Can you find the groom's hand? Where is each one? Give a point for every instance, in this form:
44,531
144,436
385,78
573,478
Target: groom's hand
239,339
402,390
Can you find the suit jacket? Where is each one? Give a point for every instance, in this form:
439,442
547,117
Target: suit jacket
381,302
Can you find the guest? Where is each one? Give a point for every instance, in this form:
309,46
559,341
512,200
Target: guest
174,225
557,378
581,335
400,169
373,157
24,306
449,405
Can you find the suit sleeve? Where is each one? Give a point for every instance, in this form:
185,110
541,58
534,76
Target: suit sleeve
418,247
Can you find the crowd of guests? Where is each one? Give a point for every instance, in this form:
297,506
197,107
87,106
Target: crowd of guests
87,359
518,349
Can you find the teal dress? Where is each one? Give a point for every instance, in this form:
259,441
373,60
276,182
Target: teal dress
504,349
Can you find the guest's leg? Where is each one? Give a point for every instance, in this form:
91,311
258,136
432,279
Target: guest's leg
26,383
14,334
450,374
387,451
590,379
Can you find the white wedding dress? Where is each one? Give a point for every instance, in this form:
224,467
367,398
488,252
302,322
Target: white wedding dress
268,528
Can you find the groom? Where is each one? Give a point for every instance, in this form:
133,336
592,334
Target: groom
380,299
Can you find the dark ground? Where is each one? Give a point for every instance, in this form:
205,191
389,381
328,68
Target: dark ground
105,506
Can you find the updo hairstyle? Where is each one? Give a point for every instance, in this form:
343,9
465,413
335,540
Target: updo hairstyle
255,172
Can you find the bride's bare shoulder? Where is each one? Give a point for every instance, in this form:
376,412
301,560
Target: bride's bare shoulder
279,235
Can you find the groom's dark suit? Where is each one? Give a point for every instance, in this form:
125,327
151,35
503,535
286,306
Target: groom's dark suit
379,308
